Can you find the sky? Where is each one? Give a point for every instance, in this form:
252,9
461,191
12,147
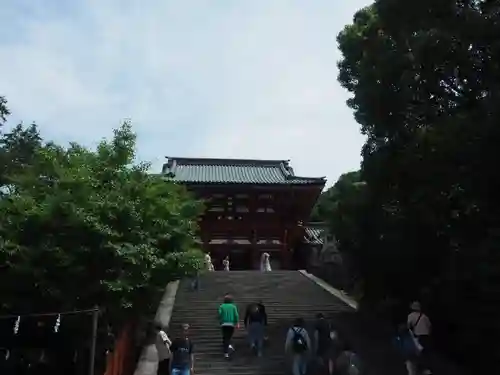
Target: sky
250,79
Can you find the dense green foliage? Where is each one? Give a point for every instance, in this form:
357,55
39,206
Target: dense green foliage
425,79
82,227
341,209
4,111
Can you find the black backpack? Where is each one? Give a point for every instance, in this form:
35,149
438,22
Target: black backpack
255,312
299,342
324,333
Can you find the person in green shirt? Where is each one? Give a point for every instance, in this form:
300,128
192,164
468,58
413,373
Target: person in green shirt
229,320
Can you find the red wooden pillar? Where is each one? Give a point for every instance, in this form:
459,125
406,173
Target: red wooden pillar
252,216
285,253
119,362
255,257
205,240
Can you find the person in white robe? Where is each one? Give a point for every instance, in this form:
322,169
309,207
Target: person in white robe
265,264
225,263
208,263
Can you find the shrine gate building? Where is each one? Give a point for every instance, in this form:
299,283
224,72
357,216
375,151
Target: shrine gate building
252,206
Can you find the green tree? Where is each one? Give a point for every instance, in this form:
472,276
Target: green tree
328,200
342,209
18,149
337,206
425,83
82,227
4,110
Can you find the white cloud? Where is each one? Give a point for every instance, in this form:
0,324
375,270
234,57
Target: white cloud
250,79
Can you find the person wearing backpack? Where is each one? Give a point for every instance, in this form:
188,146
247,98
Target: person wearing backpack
324,347
255,321
322,339
348,361
298,344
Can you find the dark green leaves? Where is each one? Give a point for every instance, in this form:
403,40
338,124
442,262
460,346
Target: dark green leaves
425,84
83,227
4,110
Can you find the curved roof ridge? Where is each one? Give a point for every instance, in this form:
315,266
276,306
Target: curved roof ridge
306,178
286,169
225,161
235,171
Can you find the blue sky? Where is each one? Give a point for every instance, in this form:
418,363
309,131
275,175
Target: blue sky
241,78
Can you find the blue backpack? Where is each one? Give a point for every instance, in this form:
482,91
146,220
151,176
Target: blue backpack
406,345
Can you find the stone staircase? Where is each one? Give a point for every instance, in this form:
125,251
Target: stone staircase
286,295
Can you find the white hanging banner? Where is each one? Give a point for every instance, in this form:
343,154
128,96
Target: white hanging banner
58,323
16,325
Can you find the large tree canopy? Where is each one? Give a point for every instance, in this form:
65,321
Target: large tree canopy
425,79
82,227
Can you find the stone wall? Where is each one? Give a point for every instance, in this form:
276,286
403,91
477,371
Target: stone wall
326,262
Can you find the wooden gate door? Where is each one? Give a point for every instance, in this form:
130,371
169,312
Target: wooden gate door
240,259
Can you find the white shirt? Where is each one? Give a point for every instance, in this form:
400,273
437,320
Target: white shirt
422,327
163,346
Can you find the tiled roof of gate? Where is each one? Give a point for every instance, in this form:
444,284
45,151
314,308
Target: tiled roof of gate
234,171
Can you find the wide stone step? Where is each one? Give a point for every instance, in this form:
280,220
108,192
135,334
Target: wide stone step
214,350
243,370
295,294
211,326
214,306
211,314
246,367
276,298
